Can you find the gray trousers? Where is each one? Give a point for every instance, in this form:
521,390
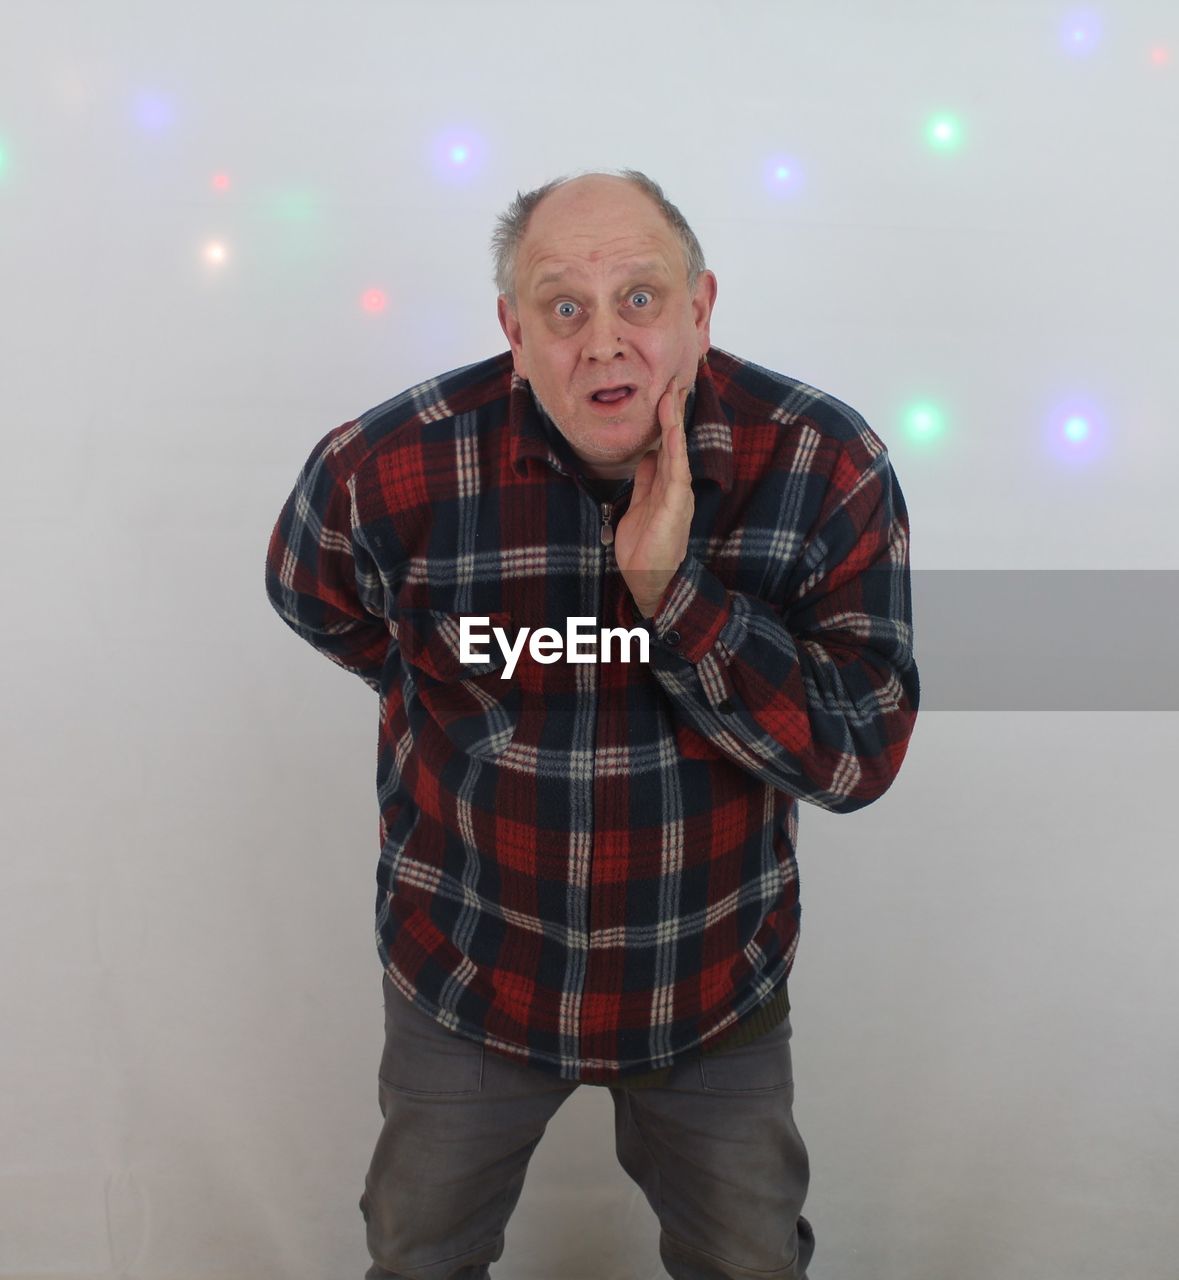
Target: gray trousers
715,1151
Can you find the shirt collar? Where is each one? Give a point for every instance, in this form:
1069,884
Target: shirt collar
710,439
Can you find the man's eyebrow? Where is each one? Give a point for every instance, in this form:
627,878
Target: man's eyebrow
648,267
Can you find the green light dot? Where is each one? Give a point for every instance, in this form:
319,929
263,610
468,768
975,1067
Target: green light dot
944,133
923,422
295,206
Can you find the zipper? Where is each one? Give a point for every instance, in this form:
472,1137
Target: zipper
606,537
607,527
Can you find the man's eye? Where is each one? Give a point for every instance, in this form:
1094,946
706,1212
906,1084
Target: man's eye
572,306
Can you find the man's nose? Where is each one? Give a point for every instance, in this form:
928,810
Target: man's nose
604,340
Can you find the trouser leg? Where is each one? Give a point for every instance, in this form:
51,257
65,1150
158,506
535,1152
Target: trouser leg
460,1125
722,1163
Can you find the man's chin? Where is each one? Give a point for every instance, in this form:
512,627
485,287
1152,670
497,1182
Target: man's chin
632,417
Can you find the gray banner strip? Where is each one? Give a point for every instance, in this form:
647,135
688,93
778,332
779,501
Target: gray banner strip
1047,639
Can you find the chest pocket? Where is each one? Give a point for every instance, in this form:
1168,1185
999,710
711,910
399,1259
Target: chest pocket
470,702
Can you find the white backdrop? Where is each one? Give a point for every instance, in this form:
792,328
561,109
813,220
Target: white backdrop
190,1009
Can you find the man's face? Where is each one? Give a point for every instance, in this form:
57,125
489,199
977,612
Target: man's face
619,314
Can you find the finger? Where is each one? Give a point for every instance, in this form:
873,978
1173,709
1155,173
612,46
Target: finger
643,478
667,406
670,436
679,442
674,417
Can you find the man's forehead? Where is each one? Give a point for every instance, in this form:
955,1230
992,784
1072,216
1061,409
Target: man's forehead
557,271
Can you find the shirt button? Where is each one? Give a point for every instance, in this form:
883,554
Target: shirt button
671,637
726,706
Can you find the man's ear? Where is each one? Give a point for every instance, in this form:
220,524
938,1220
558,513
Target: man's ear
702,305
510,324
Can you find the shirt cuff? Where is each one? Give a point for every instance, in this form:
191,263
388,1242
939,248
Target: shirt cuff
692,612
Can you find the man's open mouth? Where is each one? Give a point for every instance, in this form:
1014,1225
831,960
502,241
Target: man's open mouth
613,395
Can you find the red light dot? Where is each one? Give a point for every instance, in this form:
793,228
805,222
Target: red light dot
373,300
1160,56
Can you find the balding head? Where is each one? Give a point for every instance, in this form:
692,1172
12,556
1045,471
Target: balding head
601,300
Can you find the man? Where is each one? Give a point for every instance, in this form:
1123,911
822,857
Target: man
587,871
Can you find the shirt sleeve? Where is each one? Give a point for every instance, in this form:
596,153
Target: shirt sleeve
320,577
817,693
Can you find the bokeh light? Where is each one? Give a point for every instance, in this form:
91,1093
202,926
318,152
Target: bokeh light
72,87
944,133
374,300
1080,32
1076,433
1160,55
215,252
153,112
923,422
220,182
295,206
1076,429
782,175
458,155
297,230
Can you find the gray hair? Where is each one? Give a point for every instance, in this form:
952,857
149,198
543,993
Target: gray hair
512,224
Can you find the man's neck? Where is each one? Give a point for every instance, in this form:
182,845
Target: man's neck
606,484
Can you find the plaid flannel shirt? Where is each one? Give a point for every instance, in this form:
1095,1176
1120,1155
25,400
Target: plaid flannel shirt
590,866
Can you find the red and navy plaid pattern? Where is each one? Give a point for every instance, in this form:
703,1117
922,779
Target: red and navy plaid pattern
590,867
